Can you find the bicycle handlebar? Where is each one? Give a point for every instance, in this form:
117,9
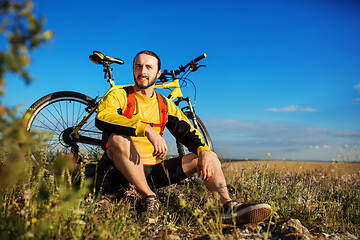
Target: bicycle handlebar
198,59
174,73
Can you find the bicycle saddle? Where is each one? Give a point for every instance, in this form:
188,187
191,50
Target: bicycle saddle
100,58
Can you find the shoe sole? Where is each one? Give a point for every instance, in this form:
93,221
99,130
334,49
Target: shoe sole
252,214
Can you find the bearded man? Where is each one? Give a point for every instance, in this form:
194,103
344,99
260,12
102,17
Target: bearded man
137,149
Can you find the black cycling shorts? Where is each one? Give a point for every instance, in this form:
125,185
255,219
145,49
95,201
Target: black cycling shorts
160,175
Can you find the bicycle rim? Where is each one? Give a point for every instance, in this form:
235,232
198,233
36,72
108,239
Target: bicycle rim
53,116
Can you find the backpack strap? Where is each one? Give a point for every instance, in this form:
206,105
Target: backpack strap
130,108
130,103
162,111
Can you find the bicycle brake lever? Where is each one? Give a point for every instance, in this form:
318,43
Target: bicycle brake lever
193,67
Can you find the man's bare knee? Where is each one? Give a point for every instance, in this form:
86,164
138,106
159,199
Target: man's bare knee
118,143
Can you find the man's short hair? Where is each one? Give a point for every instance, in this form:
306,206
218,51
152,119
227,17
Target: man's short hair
147,52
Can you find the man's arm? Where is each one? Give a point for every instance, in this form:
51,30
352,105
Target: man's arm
110,119
181,128
205,165
160,147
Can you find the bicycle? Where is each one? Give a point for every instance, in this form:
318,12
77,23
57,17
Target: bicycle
65,120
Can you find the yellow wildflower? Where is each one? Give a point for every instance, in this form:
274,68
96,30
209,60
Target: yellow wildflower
182,202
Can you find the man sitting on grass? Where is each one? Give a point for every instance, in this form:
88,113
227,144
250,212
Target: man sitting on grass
136,148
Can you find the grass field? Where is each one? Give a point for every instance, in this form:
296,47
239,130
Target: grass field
332,168
42,205
323,195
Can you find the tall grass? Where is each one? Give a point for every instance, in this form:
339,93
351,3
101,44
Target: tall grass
57,201
322,201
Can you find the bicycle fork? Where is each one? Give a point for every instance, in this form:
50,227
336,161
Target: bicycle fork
189,106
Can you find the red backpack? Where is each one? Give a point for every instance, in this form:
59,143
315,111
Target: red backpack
130,108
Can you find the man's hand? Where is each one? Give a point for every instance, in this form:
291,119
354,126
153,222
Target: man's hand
157,141
205,165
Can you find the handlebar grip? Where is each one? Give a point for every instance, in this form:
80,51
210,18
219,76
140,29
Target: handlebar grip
200,57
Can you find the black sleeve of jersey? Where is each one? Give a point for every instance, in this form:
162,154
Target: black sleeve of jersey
114,128
181,130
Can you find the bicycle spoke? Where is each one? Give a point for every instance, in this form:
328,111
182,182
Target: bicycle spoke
51,147
88,148
80,114
47,119
60,113
90,125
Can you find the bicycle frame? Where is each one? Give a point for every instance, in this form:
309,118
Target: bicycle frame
175,93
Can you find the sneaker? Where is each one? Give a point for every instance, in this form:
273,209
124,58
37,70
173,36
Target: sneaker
245,213
150,209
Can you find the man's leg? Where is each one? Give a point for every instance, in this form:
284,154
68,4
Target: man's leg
217,183
243,213
127,160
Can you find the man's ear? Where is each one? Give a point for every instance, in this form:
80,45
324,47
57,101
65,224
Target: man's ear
158,74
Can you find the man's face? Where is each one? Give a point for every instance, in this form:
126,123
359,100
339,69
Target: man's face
145,71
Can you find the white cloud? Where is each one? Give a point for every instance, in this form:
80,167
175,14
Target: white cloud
317,147
357,87
291,108
356,100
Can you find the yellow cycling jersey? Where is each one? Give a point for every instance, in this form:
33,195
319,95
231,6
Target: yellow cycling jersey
110,119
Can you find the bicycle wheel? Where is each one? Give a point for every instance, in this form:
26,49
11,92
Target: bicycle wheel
53,117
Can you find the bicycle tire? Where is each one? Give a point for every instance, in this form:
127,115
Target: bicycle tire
55,113
203,131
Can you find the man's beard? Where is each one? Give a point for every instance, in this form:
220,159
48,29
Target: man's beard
145,85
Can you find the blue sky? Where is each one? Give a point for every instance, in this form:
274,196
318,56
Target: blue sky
282,76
